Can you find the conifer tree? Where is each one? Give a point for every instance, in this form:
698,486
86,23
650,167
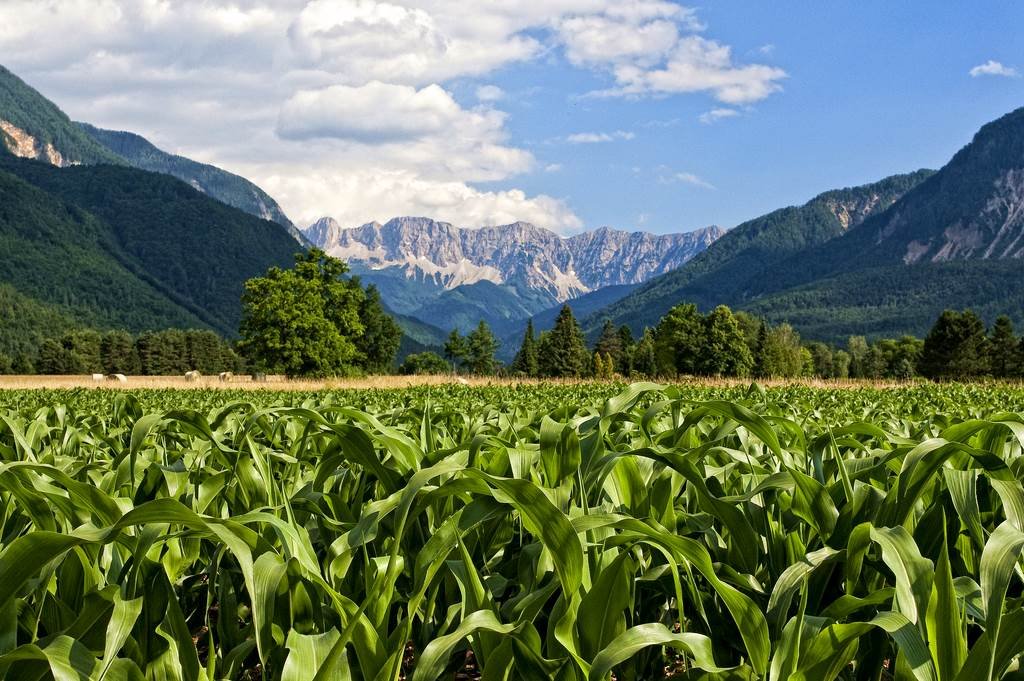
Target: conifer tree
956,347
526,359
480,348
1004,349
563,350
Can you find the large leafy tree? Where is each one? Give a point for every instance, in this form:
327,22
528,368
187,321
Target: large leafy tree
381,334
678,339
781,354
563,350
956,347
303,321
724,350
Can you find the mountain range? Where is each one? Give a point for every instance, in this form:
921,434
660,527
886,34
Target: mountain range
101,228
883,259
433,270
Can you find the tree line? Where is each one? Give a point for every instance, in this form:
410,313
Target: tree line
735,344
157,353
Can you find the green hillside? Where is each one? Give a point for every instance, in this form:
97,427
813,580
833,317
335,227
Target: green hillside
25,108
229,188
751,253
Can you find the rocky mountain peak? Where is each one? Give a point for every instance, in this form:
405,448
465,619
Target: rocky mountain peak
520,255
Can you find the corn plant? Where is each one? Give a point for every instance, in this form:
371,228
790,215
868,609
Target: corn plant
569,532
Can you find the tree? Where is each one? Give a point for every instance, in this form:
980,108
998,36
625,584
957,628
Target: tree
677,340
823,358
381,334
857,347
751,328
303,321
455,349
955,347
1004,349
525,362
480,348
6,364
54,359
781,354
724,350
610,342
118,355
424,363
604,366
841,362
84,349
645,360
625,366
563,350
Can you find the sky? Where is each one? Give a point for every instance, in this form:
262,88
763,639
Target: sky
571,114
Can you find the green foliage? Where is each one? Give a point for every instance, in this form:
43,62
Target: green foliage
678,340
303,321
781,353
525,361
224,186
481,345
25,108
381,335
1004,348
456,349
724,350
563,351
956,347
639,532
424,363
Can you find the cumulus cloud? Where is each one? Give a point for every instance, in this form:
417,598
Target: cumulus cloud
380,194
994,68
345,107
715,115
598,137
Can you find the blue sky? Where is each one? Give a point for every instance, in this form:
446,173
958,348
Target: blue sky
872,89
572,114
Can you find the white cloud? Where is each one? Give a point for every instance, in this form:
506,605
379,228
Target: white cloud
994,68
552,167
344,106
380,194
598,137
715,115
490,93
685,178
697,64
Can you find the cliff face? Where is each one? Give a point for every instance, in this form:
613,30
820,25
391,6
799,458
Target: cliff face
520,254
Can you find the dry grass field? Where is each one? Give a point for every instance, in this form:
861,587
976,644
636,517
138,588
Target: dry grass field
385,382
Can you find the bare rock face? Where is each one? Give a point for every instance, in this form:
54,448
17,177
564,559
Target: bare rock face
519,254
22,144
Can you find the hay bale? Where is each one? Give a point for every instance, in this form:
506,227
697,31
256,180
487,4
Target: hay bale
120,378
97,377
192,376
226,376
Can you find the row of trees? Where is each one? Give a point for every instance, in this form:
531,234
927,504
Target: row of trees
159,353
727,343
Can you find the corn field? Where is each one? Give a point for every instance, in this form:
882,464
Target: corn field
548,532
